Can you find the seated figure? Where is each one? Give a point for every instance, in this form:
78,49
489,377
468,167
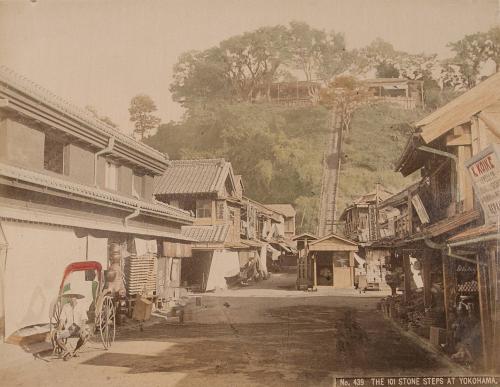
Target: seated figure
72,323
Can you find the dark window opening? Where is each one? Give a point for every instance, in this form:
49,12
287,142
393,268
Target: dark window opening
53,158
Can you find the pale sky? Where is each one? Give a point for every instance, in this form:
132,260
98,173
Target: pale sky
102,53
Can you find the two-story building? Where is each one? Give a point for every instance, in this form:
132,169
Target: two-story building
273,226
361,225
209,190
446,242
72,188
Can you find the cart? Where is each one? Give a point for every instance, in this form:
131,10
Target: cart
101,313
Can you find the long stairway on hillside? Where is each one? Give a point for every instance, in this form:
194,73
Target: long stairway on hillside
331,171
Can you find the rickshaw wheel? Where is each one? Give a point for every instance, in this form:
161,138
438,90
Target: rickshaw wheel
106,322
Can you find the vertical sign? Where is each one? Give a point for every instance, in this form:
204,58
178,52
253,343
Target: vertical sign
372,222
484,169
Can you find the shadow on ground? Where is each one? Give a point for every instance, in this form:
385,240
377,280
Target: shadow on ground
304,345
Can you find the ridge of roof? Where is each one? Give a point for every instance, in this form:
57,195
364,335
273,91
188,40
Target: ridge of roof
194,176
325,237
198,161
26,86
285,209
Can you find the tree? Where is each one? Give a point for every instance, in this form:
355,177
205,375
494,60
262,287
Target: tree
141,109
471,53
319,55
391,63
343,95
386,70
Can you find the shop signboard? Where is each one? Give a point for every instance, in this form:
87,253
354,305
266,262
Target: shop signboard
484,170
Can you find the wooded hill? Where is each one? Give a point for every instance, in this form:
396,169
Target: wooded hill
279,150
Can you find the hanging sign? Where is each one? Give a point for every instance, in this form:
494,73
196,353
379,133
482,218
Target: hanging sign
484,169
420,208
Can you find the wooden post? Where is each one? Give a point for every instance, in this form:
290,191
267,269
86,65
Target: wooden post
495,298
315,275
464,182
426,274
485,313
410,214
407,279
450,291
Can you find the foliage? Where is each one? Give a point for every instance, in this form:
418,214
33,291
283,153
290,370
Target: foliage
277,149
316,53
243,67
141,109
386,70
376,139
391,63
344,94
471,53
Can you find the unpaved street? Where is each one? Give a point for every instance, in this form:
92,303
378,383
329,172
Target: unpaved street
262,335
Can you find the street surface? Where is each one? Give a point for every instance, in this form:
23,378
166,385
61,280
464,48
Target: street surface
267,334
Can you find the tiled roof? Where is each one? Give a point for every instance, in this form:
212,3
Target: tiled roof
16,81
207,234
61,184
449,224
476,232
193,177
285,209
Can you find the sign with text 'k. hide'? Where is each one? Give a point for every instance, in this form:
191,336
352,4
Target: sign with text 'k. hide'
484,169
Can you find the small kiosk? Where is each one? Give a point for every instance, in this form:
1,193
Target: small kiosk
333,261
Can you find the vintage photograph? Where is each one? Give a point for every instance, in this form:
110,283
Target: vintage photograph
249,193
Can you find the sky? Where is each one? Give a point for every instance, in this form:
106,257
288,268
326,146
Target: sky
102,53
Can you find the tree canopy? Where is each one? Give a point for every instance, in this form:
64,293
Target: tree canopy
141,109
279,149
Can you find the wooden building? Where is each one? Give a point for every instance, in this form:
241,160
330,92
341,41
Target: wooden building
448,249
361,225
70,187
333,261
404,92
209,190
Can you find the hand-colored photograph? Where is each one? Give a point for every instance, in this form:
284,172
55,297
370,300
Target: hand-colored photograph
249,193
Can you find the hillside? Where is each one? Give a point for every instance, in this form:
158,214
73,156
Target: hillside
376,139
279,150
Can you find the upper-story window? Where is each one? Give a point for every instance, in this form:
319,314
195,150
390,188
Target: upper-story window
53,155
289,225
138,188
111,176
221,209
203,208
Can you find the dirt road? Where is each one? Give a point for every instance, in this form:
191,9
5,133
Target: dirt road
241,338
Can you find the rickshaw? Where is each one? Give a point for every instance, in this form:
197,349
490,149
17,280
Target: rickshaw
101,313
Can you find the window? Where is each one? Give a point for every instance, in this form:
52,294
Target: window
53,155
111,176
220,210
138,188
203,208
289,225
